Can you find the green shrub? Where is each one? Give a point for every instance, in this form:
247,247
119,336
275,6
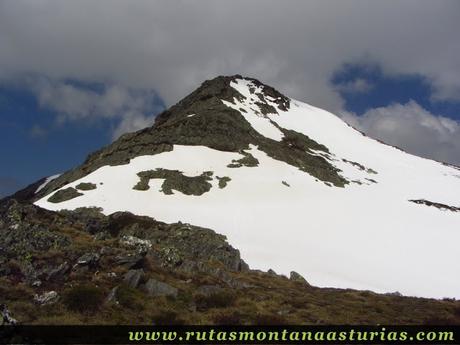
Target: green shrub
84,298
131,298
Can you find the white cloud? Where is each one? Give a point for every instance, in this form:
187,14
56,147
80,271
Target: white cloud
132,122
296,46
412,128
135,109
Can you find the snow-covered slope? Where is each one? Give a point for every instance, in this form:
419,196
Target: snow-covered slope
365,235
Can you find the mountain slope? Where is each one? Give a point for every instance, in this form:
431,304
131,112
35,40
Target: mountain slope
291,186
81,267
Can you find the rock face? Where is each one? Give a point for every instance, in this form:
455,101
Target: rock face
154,287
88,259
133,277
27,230
298,278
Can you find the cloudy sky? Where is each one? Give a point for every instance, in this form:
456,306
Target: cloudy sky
74,75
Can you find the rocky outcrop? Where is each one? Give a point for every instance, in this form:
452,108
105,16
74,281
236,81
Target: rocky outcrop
64,195
176,180
86,186
437,205
157,288
294,276
133,277
46,298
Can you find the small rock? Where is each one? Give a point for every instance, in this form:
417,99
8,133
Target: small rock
271,272
130,261
238,284
133,277
58,272
89,259
106,251
244,267
46,298
111,275
36,283
7,319
112,297
396,293
155,288
283,312
140,244
294,276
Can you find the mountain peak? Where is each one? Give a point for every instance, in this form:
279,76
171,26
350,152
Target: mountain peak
212,92
215,115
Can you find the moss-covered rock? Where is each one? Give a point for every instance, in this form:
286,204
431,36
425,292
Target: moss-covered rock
248,161
64,195
174,179
223,181
86,186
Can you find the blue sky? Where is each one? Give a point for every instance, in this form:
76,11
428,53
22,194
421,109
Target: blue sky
380,90
75,75
36,142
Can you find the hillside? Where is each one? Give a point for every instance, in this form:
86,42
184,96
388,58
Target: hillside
292,187
74,267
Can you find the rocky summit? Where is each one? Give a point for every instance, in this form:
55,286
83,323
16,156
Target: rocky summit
146,229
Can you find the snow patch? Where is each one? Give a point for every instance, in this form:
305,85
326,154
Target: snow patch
251,112
48,180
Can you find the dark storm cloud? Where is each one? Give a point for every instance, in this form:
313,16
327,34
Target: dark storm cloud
172,46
